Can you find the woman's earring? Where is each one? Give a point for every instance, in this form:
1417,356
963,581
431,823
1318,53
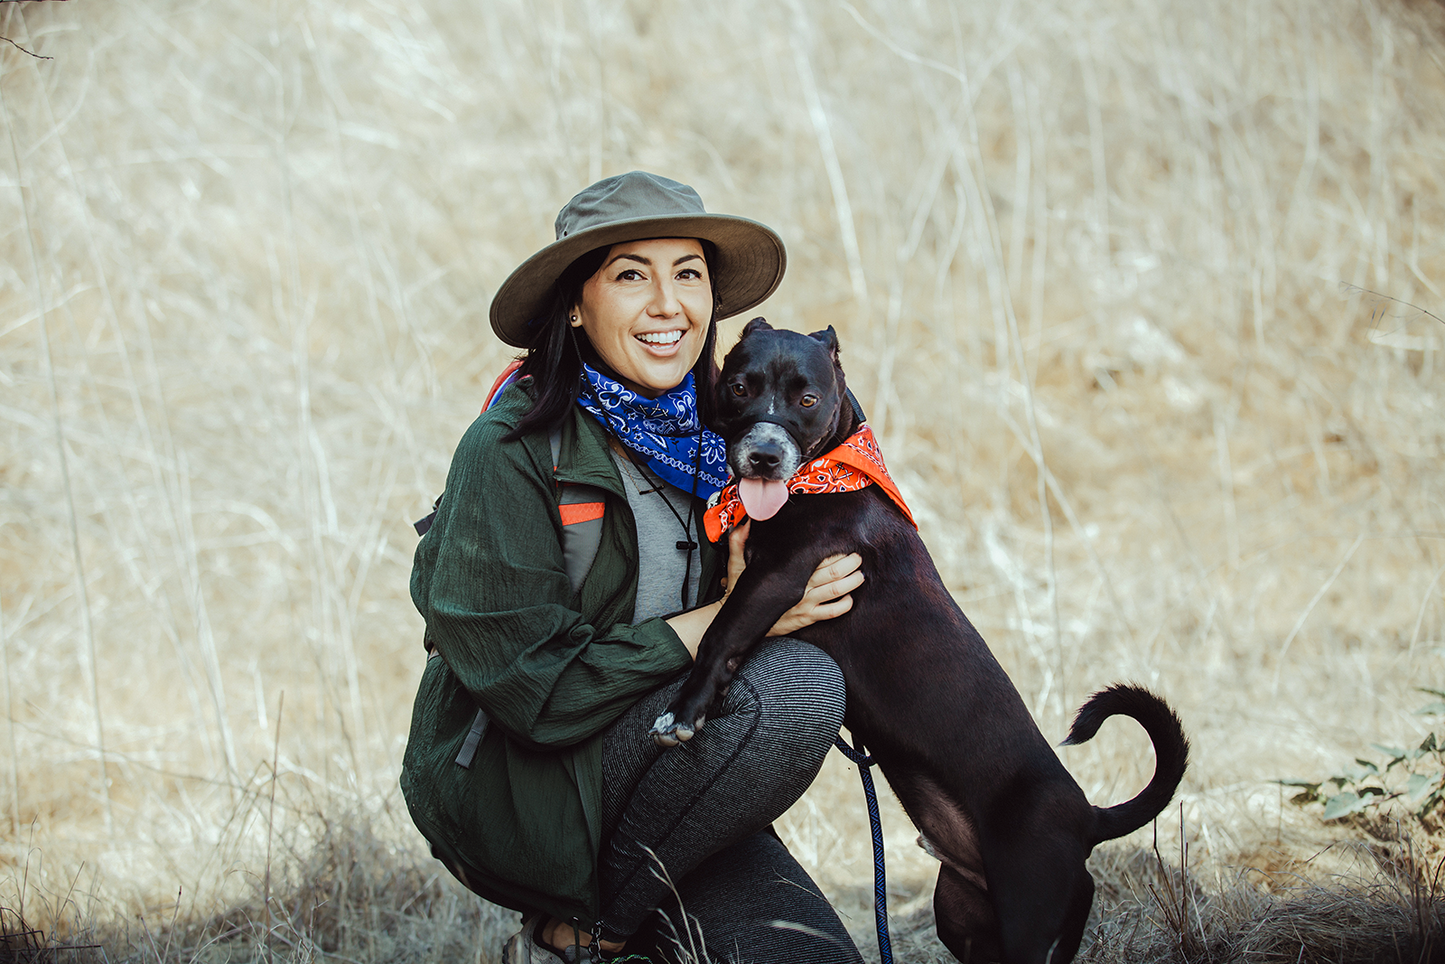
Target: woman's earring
575,322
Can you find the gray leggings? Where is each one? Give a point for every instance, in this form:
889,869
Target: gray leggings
703,810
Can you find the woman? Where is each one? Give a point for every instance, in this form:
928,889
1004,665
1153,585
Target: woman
554,800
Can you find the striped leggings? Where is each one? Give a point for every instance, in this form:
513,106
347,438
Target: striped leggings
689,859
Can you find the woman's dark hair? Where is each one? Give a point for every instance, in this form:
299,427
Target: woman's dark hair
555,356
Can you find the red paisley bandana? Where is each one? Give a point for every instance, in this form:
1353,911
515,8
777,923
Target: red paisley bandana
849,467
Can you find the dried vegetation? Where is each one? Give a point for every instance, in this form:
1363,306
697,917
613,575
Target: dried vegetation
1141,295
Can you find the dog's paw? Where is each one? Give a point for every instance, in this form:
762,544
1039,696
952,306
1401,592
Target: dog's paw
667,731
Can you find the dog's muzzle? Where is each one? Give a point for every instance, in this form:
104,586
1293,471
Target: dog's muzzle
766,451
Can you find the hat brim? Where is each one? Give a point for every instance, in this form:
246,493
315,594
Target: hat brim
751,260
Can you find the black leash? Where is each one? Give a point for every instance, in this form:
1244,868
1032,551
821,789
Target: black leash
880,882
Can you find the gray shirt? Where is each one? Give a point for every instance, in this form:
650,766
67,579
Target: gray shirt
661,565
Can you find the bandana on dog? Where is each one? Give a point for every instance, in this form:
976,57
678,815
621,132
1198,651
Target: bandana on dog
663,430
854,465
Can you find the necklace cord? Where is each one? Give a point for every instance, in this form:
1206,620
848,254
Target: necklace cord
687,543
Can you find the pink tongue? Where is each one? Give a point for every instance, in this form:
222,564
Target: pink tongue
762,499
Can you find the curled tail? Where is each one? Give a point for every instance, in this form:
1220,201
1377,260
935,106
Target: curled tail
1171,754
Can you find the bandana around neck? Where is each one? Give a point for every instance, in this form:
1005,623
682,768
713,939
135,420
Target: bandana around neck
663,430
854,465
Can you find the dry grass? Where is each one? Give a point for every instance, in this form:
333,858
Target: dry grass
1142,298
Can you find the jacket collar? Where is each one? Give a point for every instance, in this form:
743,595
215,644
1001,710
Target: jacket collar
585,458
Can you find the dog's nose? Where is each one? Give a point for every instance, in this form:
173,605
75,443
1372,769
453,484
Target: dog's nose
762,461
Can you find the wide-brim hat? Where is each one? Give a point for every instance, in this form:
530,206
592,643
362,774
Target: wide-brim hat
634,207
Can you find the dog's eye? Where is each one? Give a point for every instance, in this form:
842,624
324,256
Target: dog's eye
808,401
739,389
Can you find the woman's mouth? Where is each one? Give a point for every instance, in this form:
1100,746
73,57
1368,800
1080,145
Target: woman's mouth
660,339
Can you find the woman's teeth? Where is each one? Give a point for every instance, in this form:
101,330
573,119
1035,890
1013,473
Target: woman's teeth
661,338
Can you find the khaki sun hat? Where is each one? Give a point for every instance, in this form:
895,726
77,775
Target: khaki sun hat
635,207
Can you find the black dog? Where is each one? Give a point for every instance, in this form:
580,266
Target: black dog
925,695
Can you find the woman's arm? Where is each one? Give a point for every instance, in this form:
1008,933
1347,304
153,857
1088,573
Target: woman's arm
826,597
492,585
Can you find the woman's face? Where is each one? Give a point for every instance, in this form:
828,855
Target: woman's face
646,311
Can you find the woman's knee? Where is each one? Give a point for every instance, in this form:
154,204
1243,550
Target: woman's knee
797,688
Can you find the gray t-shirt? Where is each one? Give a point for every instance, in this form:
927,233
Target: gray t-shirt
661,564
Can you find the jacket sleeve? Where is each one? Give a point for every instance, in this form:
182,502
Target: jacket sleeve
490,581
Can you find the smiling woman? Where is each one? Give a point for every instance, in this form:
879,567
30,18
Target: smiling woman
530,766
647,311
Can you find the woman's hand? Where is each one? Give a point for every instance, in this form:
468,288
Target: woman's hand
826,597
737,541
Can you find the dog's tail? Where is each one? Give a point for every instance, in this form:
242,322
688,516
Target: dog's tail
1171,754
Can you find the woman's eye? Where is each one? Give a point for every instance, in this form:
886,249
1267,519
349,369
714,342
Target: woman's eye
631,274
739,391
690,274
808,401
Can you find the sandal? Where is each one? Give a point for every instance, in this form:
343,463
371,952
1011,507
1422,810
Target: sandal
527,947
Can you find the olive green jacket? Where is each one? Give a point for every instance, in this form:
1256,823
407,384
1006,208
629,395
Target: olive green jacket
552,669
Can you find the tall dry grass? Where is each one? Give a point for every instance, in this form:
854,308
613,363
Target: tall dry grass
1141,297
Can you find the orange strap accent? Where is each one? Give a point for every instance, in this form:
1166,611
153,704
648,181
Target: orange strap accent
575,512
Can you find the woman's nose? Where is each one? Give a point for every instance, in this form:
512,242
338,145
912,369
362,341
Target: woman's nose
664,299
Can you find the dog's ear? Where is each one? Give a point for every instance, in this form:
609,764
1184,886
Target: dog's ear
757,324
829,338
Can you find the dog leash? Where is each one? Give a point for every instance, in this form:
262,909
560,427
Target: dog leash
880,881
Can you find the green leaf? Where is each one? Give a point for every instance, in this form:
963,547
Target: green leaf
1426,689
1431,709
1307,784
1419,785
1393,751
1344,805
1366,767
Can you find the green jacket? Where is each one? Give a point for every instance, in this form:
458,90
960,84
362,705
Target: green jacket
552,669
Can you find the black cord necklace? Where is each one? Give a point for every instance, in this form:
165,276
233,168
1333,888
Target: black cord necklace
687,543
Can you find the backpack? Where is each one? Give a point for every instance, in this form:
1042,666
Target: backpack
581,506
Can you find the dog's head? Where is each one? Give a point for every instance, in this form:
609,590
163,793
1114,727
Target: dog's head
782,400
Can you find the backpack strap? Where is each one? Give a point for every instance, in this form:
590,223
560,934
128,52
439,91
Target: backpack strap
468,752
508,376
581,507
423,525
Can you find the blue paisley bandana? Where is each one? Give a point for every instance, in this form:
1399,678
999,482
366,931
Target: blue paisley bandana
664,430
